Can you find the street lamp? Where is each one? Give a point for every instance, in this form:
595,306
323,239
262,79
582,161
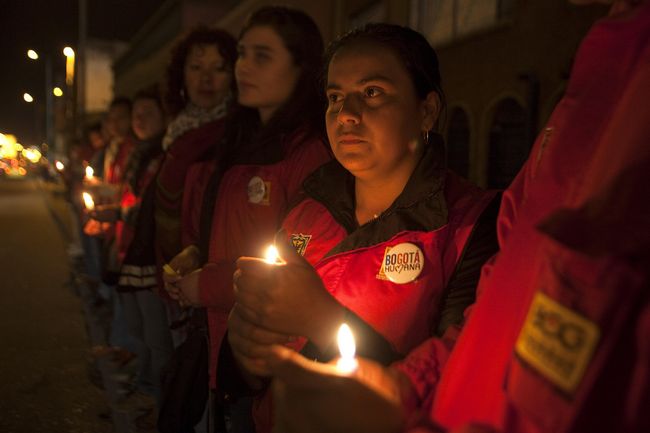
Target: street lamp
49,111
69,65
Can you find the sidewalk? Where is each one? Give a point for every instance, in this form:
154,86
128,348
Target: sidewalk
66,219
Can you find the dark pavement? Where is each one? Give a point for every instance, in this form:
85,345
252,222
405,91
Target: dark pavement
44,386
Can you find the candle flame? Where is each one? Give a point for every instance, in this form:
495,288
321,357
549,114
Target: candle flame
59,165
89,172
347,347
272,256
88,201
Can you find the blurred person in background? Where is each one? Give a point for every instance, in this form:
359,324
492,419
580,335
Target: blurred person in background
199,92
273,140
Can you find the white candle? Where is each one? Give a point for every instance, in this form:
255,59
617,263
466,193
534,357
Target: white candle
347,362
89,173
272,256
88,201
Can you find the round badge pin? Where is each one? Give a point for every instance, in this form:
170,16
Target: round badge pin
403,263
256,190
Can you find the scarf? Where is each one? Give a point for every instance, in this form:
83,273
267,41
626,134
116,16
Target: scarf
191,117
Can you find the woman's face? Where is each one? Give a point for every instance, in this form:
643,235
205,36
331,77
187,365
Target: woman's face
265,71
374,118
207,79
147,119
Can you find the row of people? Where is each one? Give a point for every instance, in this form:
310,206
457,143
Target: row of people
385,238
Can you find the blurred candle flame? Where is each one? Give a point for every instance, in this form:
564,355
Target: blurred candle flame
88,201
59,165
272,256
89,172
346,363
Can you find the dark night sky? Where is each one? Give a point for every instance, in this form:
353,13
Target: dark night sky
48,26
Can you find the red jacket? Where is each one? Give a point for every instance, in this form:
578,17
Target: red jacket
393,272
251,203
559,340
195,145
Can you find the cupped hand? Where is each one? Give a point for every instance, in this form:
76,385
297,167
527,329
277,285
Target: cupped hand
183,263
314,397
187,289
287,298
251,344
105,213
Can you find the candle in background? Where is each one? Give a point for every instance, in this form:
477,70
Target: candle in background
88,201
89,173
59,165
272,256
346,363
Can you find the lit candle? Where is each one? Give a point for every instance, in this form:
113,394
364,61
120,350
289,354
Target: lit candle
88,201
346,363
59,165
89,173
272,256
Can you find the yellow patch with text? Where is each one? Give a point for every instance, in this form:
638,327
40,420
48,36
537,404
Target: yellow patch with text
557,342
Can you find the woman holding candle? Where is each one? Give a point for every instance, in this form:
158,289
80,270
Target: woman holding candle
273,141
392,242
558,340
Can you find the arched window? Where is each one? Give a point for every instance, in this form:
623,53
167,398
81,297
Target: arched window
458,142
508,143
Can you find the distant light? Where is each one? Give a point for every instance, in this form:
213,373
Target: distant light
57,92
32,54
27,97
68,52
59,165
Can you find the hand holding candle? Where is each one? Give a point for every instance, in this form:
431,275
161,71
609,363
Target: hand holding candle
285,295
310,396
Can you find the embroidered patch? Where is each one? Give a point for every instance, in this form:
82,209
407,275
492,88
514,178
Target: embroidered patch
259,191
557,342
300,242
402,263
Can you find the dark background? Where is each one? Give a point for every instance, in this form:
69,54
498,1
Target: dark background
47,26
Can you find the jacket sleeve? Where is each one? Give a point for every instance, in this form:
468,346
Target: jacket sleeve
461,289
215,289
303,161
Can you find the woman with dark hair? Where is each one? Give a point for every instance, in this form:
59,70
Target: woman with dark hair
198,94
391,241
273,140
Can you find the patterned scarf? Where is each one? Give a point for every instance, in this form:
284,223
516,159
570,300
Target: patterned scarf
191,118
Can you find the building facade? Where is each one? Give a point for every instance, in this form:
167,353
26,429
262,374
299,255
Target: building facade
504,63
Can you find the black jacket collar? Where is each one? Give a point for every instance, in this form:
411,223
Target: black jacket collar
420,207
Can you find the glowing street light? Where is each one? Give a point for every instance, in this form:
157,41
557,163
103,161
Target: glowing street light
32,54
27,97
69,65
57,92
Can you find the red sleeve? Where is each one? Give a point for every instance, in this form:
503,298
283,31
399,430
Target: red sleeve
218,278
308,157
195,183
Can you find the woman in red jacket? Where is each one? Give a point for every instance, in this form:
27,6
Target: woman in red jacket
393,241
272,143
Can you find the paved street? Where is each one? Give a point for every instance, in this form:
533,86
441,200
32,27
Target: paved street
43,341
